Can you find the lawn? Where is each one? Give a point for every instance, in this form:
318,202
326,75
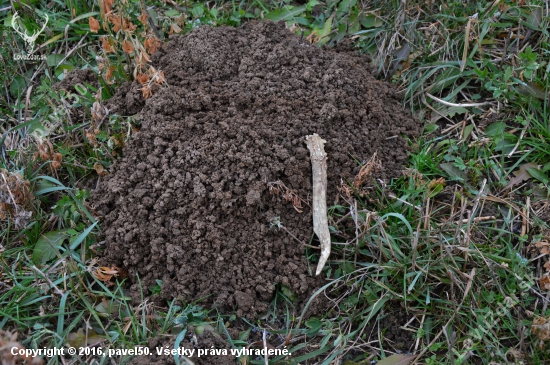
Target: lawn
454,253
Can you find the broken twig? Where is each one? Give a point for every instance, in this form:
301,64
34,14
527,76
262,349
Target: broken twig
315,144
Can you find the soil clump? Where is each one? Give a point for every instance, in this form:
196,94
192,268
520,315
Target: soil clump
190,202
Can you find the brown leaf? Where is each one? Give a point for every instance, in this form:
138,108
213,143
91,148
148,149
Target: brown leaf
545,281
541,328
91,138
105,273
152,44
128,25
544,247
142,78
127,46
57,157
521,174
146,91
98,111
100,169
94,25
116,21
143,18
397,360
159,77
109,75
174,28
373,164
44,150
107,5
106,45
143,58
8,342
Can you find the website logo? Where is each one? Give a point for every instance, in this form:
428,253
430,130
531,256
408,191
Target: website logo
29,39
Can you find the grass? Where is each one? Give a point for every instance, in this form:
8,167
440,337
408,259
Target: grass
458,245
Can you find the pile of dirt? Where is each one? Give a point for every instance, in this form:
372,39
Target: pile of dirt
190,204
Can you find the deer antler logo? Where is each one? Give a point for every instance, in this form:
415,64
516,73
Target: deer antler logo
29,39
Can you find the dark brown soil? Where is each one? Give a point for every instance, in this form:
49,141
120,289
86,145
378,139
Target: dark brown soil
77,76
189,202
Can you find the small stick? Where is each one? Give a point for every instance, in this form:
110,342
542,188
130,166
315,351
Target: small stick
265,347
315,144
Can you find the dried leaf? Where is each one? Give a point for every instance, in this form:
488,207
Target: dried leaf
545,281
127,46
45,150
91,138
106,45
143,58
397,360
128,25
521,174
152,44
146,91
544,247
142,78
105,273
116,21
109,75
100,169
541,328
366,169
98,111
9,346
143,18
57,157
108,5
159,78
94,25
174,28
79,338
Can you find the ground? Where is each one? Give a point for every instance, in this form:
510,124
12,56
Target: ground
174,151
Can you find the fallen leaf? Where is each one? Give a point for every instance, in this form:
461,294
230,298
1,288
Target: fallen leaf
78,339
127,46
541,328
100,169
109,75
116,21
105,273
106,45
152,44
397,360
521,174
174,28
57,157
544,247
94,25
143,18
142,78
146,91
128,25
159,77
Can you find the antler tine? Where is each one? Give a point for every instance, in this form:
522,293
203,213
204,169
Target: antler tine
37,33
15,26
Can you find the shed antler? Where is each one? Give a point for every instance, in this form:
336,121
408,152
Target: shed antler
29,40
